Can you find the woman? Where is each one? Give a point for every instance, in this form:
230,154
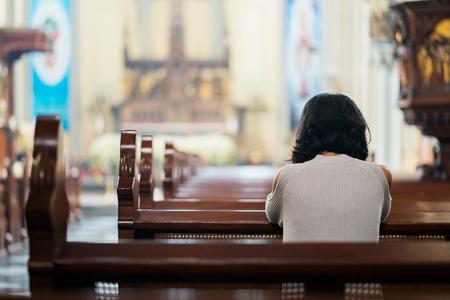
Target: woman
329,192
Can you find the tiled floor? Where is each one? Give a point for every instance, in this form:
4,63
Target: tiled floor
13,273
99,223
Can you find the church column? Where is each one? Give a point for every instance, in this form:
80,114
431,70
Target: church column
217,22
361,74
381,108
330,40
142,12
9,12
397,122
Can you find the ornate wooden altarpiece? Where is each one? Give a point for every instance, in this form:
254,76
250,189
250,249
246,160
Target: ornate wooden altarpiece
422,37
178,94
13,44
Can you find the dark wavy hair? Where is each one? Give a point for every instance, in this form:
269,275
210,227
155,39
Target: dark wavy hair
332,123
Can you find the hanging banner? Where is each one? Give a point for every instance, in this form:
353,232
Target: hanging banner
50,72
302,54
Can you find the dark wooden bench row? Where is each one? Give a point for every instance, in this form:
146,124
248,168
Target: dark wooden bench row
135,191
141,217
54,260
180,181
408,196
178,167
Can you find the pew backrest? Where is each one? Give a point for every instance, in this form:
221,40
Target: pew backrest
47,207
127,186
170,171
146,183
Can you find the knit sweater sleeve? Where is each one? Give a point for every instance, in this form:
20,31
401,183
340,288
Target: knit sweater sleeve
274,201
387,199
386,203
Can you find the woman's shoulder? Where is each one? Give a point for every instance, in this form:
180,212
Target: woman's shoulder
292,171
379,171
289,169
292,167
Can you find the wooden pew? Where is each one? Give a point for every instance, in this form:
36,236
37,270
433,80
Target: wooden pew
179,183
47,208
127,186
166,261
403,191
192,189
147,223
73,188
245,218
136,192
146,180
146,186
178,167
171,171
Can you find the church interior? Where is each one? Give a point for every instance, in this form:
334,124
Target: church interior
140,139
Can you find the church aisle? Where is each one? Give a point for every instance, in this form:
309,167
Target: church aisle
98,224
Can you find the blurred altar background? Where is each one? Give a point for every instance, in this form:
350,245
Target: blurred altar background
226,79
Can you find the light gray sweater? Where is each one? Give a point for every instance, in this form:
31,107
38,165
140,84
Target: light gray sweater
330,198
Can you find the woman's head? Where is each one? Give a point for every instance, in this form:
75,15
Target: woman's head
332,123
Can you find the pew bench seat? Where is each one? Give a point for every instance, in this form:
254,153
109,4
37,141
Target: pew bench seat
248,262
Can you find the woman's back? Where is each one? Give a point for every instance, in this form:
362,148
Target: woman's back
330,198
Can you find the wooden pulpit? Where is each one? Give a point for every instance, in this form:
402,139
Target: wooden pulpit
422,36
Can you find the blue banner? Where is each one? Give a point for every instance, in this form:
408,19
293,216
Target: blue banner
303,63
50,72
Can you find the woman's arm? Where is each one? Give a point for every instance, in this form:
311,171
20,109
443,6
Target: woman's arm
275,180
388,175
274,201
387,197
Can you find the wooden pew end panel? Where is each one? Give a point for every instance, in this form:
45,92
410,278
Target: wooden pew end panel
47,209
